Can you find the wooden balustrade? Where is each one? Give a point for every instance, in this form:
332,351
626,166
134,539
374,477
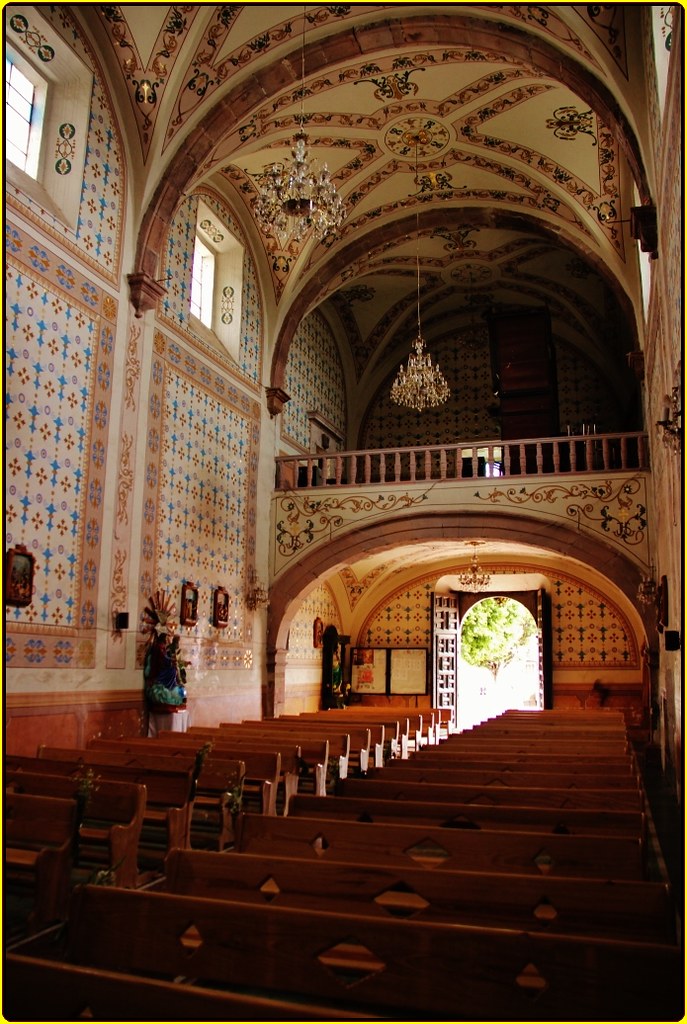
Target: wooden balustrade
566,455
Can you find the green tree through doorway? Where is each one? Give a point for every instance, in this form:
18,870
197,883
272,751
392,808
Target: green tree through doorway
494,632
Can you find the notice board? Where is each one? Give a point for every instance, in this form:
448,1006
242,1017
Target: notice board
408,671
386,670
368,670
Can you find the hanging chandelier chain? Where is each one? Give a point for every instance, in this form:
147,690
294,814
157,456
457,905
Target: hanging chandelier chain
475,578
419,385
295,196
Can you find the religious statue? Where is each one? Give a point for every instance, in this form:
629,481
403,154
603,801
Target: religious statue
164,670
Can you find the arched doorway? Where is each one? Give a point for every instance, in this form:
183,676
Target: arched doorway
499,661
471,691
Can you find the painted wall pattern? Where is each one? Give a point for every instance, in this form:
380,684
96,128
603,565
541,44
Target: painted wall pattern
319,602
200,492
403,620
467,367
60,331
176,266
314,380
589,630
98,235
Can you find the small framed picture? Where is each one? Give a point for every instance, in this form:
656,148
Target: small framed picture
220,608
19,567
317,632
189,604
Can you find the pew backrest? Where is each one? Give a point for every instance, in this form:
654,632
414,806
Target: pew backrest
530,853
490,973
639,910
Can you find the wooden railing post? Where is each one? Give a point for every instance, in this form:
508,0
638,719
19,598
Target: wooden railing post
584,453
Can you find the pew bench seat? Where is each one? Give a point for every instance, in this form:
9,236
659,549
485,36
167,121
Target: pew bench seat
110,818
39,842
421,969
639,910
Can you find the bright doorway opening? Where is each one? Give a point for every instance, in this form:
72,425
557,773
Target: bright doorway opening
499,665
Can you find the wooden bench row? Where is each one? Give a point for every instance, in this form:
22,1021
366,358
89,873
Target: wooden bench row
169,793
39,989
39,840
486,850
109,818
627,909
385,968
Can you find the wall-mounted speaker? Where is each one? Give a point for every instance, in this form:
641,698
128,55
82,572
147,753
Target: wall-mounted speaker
121,621
671,638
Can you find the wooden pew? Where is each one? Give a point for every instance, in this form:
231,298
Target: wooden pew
421,969
412,771
443,755
554,718
169,794
633,910
303,762
215,772
528,853
620,767
389,787
38,989
340,741
109,819
367,739
396,726
39,842
564,821
487,744
304,759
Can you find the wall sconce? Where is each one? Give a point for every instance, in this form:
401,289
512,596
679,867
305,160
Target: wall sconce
646,591
256,593
671,423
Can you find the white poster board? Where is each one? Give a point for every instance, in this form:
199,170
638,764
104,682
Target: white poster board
409,671
368,670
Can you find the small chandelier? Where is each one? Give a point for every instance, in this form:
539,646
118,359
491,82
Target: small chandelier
256,593
475,578
295,197
646,591
419,385
671,424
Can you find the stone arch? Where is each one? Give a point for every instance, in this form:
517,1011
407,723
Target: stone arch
564,540
355,43
428,220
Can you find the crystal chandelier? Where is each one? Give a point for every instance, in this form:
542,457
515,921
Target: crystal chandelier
296,197
419,385
474,578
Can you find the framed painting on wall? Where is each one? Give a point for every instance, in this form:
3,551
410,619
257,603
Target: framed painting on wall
189,604
19,568
220,608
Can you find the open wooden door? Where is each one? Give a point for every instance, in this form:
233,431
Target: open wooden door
445,645
545,649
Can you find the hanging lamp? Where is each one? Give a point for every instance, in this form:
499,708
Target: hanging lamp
295,196
419,384
475,578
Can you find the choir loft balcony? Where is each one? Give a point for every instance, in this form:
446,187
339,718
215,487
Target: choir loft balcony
590,482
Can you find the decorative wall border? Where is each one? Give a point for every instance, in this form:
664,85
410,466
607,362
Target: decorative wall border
58,629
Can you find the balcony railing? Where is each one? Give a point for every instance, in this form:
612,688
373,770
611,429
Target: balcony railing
565,456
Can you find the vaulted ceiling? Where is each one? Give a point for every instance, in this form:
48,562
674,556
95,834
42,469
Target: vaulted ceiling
494,143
